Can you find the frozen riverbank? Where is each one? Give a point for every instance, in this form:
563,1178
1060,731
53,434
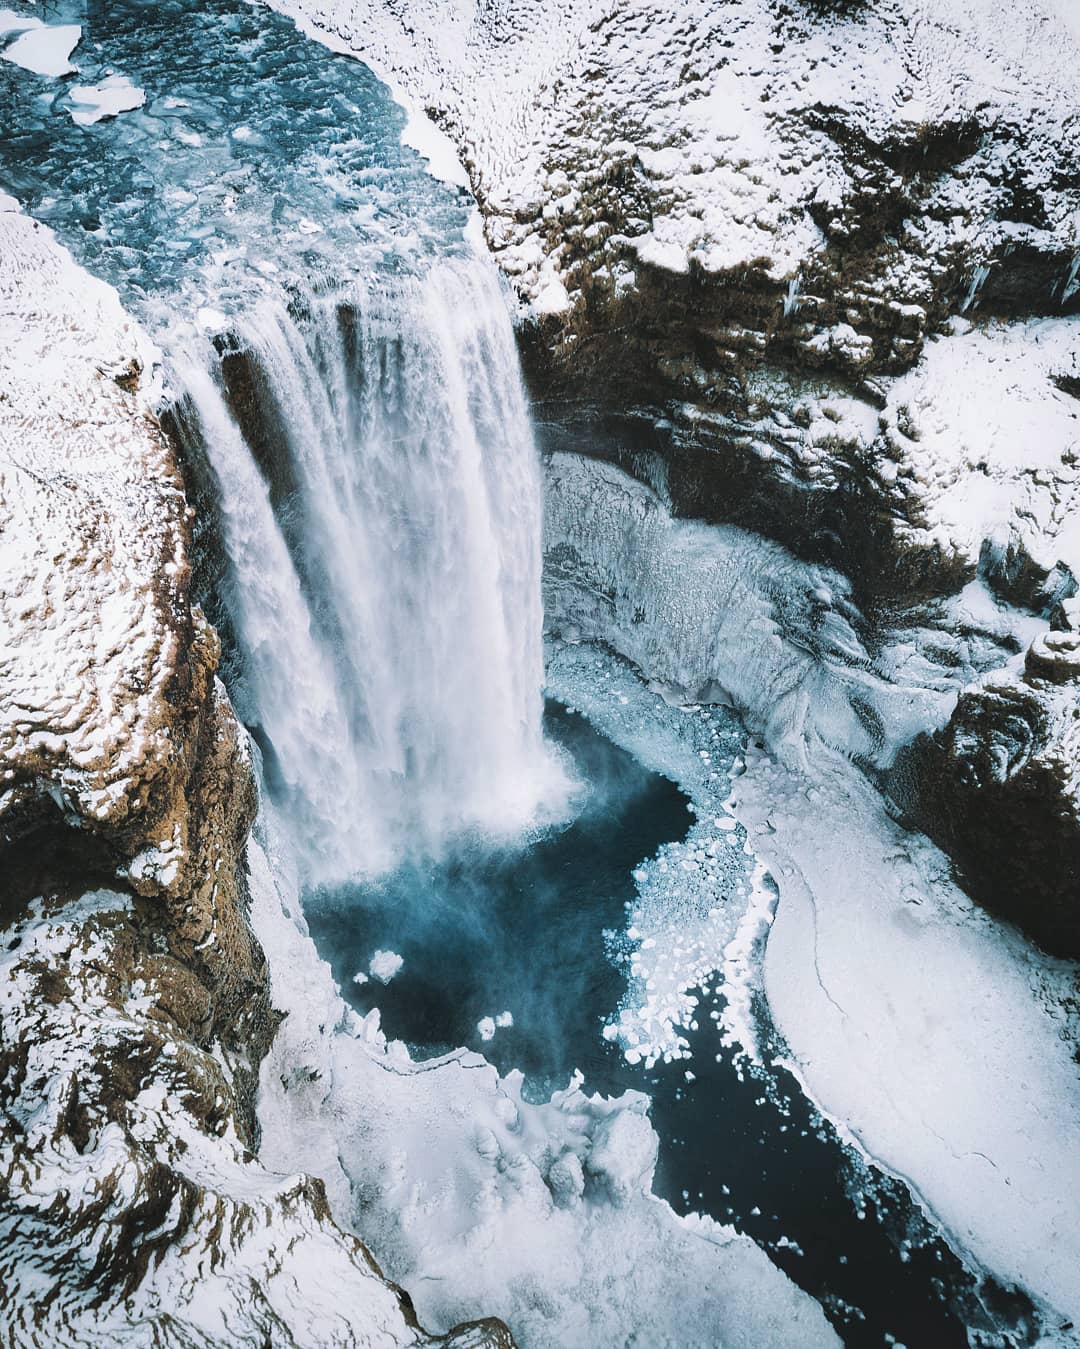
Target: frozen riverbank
941,1038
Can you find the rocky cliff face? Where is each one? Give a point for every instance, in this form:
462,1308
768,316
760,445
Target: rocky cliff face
134,1000
998,788
807,268
749,218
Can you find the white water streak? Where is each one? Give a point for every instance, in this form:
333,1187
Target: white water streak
389,609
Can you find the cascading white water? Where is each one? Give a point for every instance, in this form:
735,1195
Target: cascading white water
386,596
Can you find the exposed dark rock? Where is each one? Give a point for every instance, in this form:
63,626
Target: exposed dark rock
997,788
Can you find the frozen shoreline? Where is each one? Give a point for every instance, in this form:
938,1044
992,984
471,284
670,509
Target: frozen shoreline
471,1196
938,1036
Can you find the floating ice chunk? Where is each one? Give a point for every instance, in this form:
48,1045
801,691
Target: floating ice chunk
112,96
487,1025
384,965
360,977
12,23
623,1156
42,49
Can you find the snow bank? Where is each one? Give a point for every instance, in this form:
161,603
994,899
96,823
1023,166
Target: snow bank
938,1036
682,134
984,439
92,530
133,1211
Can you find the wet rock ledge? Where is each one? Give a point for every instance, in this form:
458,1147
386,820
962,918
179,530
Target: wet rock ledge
134,997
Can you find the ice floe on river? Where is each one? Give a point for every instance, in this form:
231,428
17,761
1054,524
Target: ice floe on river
112,95
43,49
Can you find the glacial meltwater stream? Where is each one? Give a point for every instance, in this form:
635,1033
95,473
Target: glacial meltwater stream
357,441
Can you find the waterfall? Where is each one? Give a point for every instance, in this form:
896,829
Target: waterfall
380,502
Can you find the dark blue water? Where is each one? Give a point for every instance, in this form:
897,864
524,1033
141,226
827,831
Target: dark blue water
530,931
521,930
259,158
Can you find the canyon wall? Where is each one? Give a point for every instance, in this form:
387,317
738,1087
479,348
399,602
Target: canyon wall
810,269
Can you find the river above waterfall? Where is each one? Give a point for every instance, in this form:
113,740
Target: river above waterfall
258,159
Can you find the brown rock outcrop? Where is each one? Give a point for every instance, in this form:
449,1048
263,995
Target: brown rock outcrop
999,789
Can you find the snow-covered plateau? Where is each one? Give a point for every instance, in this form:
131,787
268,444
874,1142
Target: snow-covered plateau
794,286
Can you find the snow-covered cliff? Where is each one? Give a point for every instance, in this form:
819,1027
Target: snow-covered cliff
811,267
134,999
698,199
708,139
